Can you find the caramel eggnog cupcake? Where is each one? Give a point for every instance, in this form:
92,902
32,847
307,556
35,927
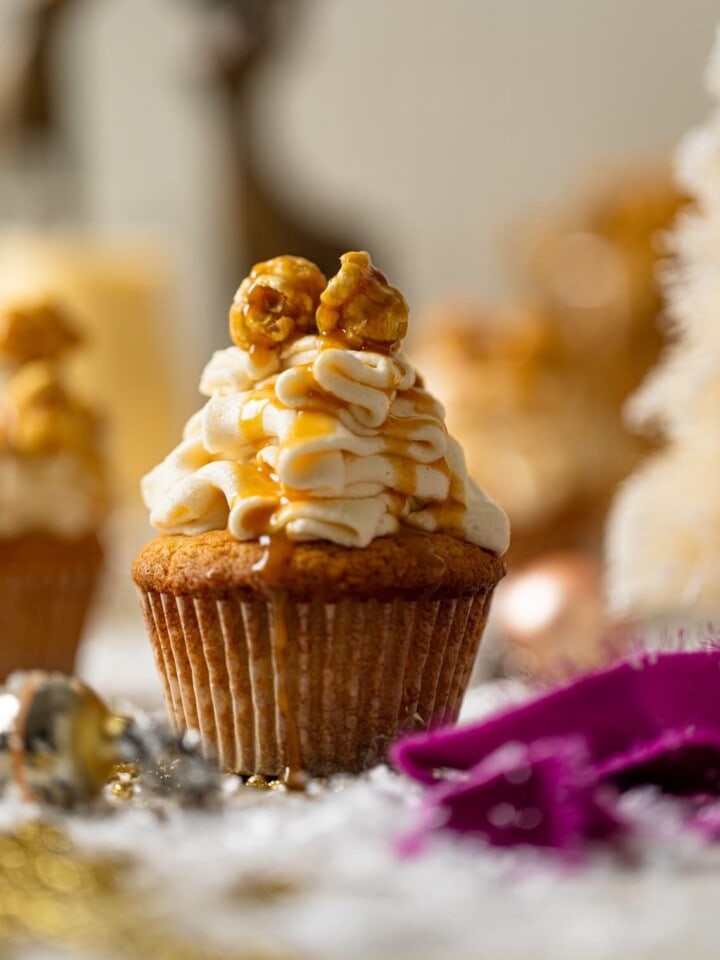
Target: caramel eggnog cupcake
52,493
536,428
325,564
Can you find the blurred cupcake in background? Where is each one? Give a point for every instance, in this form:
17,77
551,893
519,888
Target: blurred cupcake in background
535,389
596,272
535,431
53,496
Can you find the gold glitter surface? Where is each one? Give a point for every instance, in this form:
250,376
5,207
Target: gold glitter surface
266,888
52,893
258,782
123,782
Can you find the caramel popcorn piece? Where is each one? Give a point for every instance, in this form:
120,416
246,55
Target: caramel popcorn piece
36,385
40,417
360,304
35,330
277,301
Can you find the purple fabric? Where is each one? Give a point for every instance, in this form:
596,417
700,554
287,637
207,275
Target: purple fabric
537,794
545,772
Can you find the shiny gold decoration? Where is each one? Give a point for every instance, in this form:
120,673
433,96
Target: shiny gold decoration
60,743
53,895
551,613
123,784
276,301
258,782
64,740
121,790
360,304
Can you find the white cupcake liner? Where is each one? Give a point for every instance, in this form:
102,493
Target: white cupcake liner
356,674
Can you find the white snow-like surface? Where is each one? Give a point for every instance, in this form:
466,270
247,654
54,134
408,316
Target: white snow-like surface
353,897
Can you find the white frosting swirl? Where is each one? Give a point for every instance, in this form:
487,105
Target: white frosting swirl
53,494
322,443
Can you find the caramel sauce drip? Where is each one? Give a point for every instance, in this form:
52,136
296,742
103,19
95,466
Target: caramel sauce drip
405,474
252,429
309,425
293,777
277,553
261,353
260,519
450,515
319,420
420,547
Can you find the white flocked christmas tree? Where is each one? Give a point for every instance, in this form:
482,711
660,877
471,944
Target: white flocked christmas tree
663,542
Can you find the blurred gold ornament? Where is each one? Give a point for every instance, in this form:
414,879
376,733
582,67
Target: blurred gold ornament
59,743
63,740
551,613
121,789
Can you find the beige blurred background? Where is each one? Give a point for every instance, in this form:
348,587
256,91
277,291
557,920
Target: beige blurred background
434,132
432,129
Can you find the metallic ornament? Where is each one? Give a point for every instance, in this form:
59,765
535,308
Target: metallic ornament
59,743
552,618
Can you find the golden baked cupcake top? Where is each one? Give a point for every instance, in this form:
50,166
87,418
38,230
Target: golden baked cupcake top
51,466
317,427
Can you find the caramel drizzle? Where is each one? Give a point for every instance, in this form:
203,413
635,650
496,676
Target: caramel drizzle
318,420
275,560
258,480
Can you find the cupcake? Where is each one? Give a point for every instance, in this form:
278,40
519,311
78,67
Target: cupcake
534,430
52,493
535,388
325,564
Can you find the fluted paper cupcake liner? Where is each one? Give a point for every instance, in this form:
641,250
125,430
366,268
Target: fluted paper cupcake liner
42,616
351,677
